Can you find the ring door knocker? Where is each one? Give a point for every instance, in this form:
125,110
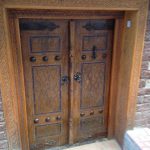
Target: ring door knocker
64,79
77,77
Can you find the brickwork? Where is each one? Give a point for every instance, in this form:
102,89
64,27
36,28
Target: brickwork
143,100
3,138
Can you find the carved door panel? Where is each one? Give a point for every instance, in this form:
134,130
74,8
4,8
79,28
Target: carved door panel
92,60
45,60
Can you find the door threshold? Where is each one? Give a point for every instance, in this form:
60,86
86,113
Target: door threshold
98,145
67,147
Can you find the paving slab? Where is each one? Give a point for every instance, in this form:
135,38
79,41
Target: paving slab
137,139
104,145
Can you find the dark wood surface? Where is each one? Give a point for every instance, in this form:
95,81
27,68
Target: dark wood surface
45,50
45,59
91,94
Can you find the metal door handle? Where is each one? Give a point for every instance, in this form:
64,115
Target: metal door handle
94,52
64,79
77,77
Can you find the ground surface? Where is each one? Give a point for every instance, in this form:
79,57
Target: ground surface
137,139
102,144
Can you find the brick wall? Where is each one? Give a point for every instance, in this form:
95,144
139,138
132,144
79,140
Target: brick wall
143,100
3,138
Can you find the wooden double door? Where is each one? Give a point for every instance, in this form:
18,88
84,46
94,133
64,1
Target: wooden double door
67,72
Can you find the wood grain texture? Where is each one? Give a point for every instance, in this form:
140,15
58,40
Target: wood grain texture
118,34
92,92
6,66
129,74
135,70
19,68
8,86
92,88
77,4
72,122
42,81
46,94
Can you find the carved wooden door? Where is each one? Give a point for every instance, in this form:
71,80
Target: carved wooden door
45,60
91,67
50,83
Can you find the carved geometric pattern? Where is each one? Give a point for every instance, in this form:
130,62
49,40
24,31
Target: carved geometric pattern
92,123
99,40
92,85
46,88
40,44
47,130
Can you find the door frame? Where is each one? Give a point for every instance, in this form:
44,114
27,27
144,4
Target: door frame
128,54
19,71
